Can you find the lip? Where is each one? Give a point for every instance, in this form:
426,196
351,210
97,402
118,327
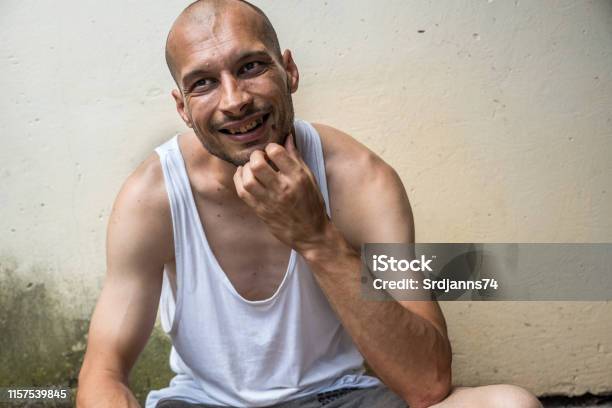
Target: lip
240,123
248,136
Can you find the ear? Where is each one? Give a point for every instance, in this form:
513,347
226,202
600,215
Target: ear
293,75
180,107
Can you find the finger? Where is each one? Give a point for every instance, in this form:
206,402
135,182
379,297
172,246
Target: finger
281,158
262,170
290,146
250,183
240,190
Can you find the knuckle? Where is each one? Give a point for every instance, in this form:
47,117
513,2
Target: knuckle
255,155
285,186
258,164
249,184
285,192
301,176
284,196
241,193
273,149
247,172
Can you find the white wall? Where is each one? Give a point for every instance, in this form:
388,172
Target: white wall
498,117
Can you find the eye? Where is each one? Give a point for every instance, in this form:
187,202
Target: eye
252,68
203,84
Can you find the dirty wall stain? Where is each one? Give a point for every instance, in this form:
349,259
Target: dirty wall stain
40,345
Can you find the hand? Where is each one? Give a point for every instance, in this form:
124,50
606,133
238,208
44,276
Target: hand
288,200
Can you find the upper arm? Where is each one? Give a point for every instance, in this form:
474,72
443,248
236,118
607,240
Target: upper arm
363,187
139,242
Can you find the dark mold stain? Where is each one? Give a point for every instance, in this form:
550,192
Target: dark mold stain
42,346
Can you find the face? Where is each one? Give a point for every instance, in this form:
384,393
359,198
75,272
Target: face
235,93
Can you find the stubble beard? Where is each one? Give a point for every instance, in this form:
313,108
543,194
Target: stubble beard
219,152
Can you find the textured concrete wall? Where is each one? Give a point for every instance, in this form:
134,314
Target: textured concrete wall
497,115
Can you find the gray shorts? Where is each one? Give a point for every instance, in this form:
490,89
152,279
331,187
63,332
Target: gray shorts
375,397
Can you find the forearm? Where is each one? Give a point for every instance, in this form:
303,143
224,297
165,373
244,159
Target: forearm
407,351
104,391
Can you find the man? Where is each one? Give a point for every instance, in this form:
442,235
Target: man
257,220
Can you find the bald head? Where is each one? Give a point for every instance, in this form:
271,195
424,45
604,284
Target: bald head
207,15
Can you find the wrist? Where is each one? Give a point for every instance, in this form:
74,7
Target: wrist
329,244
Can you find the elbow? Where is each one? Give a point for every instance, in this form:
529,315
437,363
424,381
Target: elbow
432,389
431,395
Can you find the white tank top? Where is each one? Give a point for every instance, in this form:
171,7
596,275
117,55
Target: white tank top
230,351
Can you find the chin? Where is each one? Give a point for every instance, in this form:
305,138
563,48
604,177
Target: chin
262,143
242,155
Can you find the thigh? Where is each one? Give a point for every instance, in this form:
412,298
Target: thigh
173,403
375,397
489,396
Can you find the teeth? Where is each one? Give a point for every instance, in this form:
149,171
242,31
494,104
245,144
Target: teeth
247,127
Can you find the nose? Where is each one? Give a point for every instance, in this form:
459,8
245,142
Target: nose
234,98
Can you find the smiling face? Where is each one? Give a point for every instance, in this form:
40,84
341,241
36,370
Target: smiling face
235,89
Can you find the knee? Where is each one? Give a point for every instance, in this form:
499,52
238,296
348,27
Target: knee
512,396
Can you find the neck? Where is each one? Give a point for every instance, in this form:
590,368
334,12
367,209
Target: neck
223,172
204,163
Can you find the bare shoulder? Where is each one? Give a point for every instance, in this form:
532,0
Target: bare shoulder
340,148
144,191
362,186
141,219
145,186
349,162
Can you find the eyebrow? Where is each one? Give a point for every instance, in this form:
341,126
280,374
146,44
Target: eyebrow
244,55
